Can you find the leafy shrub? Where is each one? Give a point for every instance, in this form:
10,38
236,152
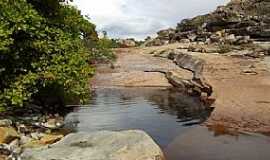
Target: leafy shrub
104,51
224,48
43,45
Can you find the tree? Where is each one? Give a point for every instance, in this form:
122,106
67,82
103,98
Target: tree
43,50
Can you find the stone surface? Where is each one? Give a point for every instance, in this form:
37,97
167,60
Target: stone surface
7,135
25,139
53,123
126,43
103,145
43,141
235,23
166,54
5,123
191,86
154,42
15,146
190,63
10,152
164,37
50,139
241,100
136,69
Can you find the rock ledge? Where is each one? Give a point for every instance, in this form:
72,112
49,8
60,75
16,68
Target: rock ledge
103,145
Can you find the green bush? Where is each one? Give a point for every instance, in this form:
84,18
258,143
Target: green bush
224,48
103,50
43,45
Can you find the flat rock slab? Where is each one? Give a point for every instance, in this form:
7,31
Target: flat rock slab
241,87
103,145
133,68
131,79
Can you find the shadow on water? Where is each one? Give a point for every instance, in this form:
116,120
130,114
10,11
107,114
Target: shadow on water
163,113
201,144
171,118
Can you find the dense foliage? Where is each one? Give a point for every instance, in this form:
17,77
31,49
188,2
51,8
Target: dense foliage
44,52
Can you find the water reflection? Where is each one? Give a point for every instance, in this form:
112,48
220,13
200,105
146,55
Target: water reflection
170,118
200,144
163,113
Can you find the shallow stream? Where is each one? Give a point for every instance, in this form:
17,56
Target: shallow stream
172,119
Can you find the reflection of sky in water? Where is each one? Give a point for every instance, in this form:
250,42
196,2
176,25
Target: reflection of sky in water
158,112
163,115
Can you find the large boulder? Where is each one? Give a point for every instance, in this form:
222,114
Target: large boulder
193,87
191,63
163,38
103,145
198,83
155,42
127,43
166,34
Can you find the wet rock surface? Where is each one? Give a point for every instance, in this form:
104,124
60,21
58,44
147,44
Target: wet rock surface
238,80
222,55
103,145
223,50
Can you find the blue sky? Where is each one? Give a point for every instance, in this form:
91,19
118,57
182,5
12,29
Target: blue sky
142,18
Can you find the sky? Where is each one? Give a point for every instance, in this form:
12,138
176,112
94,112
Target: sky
141,18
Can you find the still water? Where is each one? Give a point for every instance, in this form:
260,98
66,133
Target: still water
172,119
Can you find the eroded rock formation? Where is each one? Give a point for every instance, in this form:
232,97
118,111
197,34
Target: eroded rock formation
238,22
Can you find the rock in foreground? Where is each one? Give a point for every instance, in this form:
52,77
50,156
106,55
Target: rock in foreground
104,145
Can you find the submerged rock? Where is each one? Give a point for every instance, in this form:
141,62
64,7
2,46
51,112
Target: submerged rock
103,145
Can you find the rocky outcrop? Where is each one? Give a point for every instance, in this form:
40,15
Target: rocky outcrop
170,53
163,38
103,145
248,18
188,62
127,43
192,87
238,22
153,42
196,85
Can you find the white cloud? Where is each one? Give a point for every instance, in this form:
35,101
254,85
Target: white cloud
140,18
